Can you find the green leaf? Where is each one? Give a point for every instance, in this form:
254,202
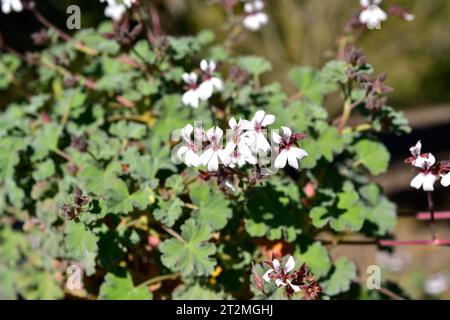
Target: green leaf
196,292
352,218
373,155
212,206
46,140
254,65
9,157
310,84
311,147
317,258
330,143
81,245
128,130
119,200
116,288
271,213
44,170
169,211
191,257
97,180
335,71
341,279
383,215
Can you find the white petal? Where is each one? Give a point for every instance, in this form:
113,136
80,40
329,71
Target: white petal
294,287
262,18
276,265
287,132
268,120
298,153
182,150
247,125
258,5
292,159
259,116
213,164
290,265
187,131
416,150
248,7
217,83
280,283
17,5
205,90
190,98
211,66
186,77
430,161
445,181
428,182
420,162
232,123
417,181
262,143
206,156
204,65
364,3
251,23
280,161
266,275
276,137
192,159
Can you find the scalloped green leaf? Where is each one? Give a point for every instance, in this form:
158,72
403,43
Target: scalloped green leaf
373,155
118,288
192,256
81,245
341,279
212,206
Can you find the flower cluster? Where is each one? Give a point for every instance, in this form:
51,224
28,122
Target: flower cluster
429,170
245,140
372,15
375,90
203,91
11,5
254,16
291,280
115,10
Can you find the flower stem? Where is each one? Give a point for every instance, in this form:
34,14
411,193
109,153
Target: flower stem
431,209
78,45
171,276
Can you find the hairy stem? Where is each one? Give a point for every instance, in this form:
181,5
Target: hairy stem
157,279
431,209
78,45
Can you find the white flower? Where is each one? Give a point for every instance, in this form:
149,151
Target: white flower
425,178
416,150
11,5
188,152
366,3
437,284
254,18
372,15
445,181
115,10
288,152
210,82
237,147
191,97
214,154
255,133
279,273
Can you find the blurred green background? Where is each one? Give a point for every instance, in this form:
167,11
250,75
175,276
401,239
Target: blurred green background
415,55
